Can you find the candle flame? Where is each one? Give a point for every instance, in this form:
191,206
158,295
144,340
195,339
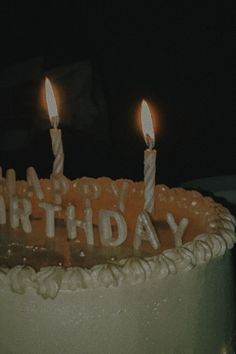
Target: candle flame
51,104
147,125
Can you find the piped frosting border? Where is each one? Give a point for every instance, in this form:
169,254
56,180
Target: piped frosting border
48,281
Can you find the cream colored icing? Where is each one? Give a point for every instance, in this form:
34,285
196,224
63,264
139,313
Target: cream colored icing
177,301
183,313
48,281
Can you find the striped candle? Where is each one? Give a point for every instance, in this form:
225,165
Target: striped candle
57,147
149,158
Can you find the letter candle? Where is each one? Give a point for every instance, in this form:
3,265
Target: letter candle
2,181
11,182
105,227
177,230
20,214
55,133
120,194
33,183
50,210
145,230
149,158
3,218
86,224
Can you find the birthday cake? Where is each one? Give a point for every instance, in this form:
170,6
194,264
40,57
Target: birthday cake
84,269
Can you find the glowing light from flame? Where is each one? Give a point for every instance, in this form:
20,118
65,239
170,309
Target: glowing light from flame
147,125
51,104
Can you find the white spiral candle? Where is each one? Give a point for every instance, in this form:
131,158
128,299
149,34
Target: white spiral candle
149,179
57,147
149,158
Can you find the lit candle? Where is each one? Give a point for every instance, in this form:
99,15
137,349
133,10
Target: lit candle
149,158
55,133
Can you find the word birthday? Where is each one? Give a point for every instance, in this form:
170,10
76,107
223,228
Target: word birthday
19,202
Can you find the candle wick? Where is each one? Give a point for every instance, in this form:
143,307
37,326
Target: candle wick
55,121
149,141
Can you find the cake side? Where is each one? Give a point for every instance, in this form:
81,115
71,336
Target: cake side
187,313
119,299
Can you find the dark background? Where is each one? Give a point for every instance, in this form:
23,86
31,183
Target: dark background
180,58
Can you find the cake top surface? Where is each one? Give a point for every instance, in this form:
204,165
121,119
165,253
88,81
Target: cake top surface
52,263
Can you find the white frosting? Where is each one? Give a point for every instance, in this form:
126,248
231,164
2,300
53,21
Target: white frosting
182,257
164,266
20,278
48,281
132,270
135,305
180,313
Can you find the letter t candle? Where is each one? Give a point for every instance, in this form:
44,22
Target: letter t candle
57,147
149,157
